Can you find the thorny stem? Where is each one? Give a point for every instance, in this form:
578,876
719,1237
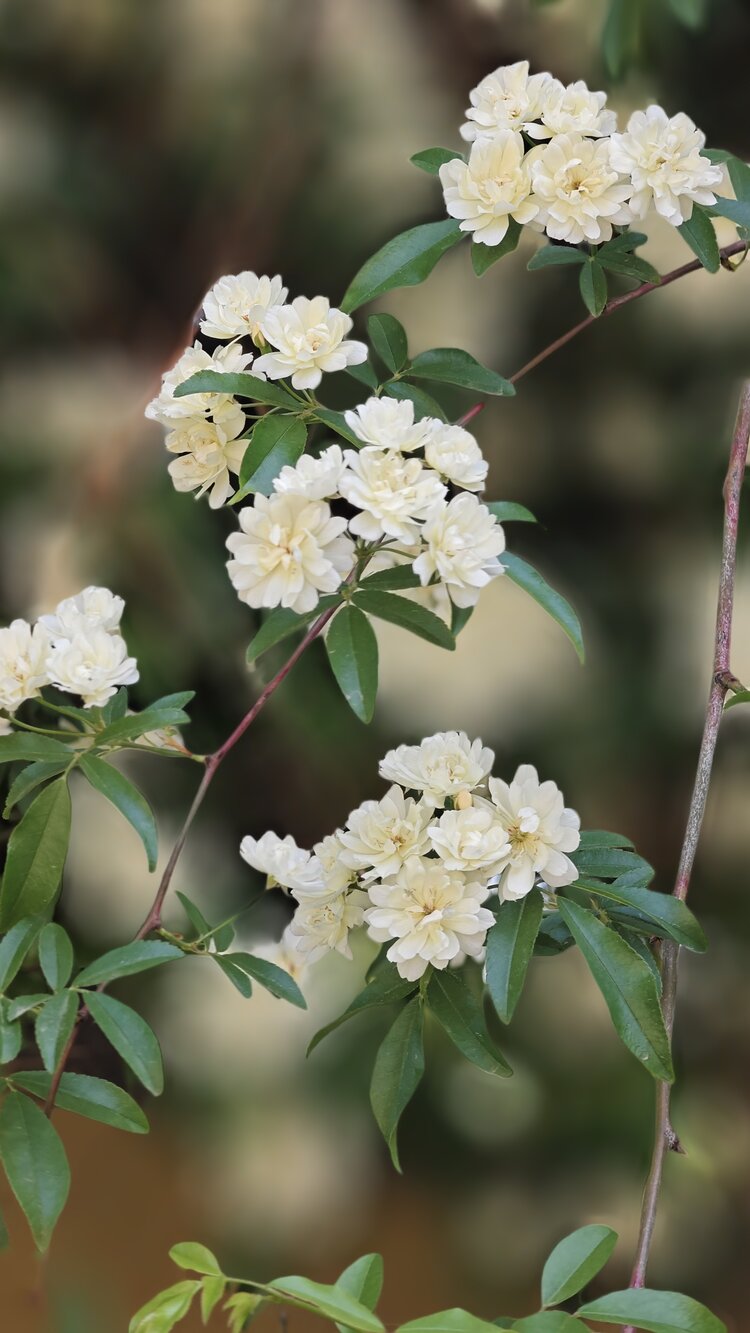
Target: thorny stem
665,1139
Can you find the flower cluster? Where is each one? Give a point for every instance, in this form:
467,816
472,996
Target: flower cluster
78,649
421,866
550,157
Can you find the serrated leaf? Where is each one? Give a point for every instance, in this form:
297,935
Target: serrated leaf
669,913
407,615
131,1037
398,1070
590,838
353,654
459,1013
94,1098
627,985
126,729
610,862
506,511
35,1164
55,955
432,159
127,960
19,747
404,261
14,947
386,987
628,266
36,855
126,798
281,624
237,975
593,287
22,1004
484,256
241,385
167,1308
555,256
196,1258
574,1261
510,945
388,337
654,1311
698,232
331,1302
54,1024
271,977
10,1040
528,578
276,442
424,404
32,777
391,580
452,365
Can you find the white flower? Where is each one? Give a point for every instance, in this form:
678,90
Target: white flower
389,423
310,338
471,839
317,478
23,663
225,411
327,875
207,457
238,302
93,663
392,491
455,454
431,913
540,831
580,192
462,541
380,835
318,927
93,608
507,99
493,187
441,765
284,954
573,110
289,551
278,858
6,727
662,157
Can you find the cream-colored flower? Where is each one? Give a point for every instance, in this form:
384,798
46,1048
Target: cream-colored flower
317,478
93,663
284,954
573,110
431,913
393,492
472,839
662,157
224,410
326,875
388,423
309,338
462,542
280,859
491,188
508,99
238,302
92,608
580,193
540,831
23,663
380,835
207,458
441,765
455,454
319,927
289,551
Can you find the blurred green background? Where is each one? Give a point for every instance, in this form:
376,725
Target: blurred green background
145,149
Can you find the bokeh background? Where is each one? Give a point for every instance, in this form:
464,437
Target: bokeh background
145,149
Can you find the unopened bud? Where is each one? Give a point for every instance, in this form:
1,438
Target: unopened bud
462,801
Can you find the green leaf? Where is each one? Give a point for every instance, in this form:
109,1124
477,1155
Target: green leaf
452,365
31,777
655,1311
37,849
699,234
574,1262
336,421
363,372
126,729
127,960
35,1164
740,697
424,404
408,615
610,862
621,36
353,653
127,799
331,1302
600,838
21,1004
548,1321
271,977
593,285
388,580
276,442
234,973
669,913
281,624
627,985
54,1024
212,1290
241,1308
388,337
627,265
737,210
23,746
94,1098
460,617
131,1037
241,385
404,261
432,159
55,956
528,578
506,511
448,1321
14,947
163,1311
510,944
363,1280
386,987
399,1066
555,255
692,13
10,1041
458,1011
196,1258
484,256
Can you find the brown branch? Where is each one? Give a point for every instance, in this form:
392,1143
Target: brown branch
665,1139
726,253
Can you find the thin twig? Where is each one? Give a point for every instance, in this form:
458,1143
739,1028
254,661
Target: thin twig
665,1139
